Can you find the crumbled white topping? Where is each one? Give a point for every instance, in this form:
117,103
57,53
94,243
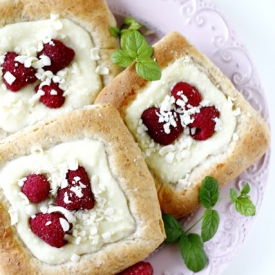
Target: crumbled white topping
21,181
95,54
65,225
68,214
53,92
235,137
237,112
102,70
48,223
30,209
75,258
13,215
10,78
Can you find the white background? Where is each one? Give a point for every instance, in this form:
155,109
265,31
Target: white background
254,22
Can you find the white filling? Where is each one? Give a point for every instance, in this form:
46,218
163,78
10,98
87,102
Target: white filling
80,80
174,162
109,221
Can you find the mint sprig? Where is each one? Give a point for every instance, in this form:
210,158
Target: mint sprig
191,244
134,48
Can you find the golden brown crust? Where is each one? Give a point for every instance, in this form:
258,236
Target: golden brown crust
93,15
252,130
99,122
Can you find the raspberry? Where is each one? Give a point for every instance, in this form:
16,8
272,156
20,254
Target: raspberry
140,268
48,227
23,75
53,97
36,187
182,89
78,194
150,118
60,55
204,123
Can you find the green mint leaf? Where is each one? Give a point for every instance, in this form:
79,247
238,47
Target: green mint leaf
121,58
233,194
192,252
114,31
123,36
245,206
210,224
209,192
148,69
135,44
245,190
173,228
133,24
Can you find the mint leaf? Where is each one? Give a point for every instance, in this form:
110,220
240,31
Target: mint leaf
133,24
148,69
114,31
245,206
210,224
245,190
135,44
233,194
121,58
209,192
192,252
173,228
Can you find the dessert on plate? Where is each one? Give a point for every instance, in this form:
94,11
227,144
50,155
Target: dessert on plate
76,197
190,124
54,57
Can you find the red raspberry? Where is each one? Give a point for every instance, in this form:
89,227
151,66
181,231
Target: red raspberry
60,55
155,128
48,227
36,187
78,194
192,94
140,268
204,123
53,97
23,76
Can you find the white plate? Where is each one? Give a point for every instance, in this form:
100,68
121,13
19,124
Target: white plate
204,25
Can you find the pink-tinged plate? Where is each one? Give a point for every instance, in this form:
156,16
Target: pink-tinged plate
204,25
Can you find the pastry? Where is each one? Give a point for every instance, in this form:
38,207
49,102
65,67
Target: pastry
76,197
54,57
190,124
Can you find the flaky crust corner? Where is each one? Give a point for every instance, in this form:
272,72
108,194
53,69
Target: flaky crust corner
93,15
103,123
252,130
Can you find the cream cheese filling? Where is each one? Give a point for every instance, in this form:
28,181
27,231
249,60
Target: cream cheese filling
81,82
109,221
174,163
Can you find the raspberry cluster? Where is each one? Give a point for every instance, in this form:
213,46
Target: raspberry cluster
77,195
165,125
17,73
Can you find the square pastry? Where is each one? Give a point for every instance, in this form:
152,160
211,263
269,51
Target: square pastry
76,197
54,57
190,124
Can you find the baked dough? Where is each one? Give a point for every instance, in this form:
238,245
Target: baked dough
100,123
93,18
249,137
92,15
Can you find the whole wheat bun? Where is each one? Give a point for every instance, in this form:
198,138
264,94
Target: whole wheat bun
127,166
252,131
